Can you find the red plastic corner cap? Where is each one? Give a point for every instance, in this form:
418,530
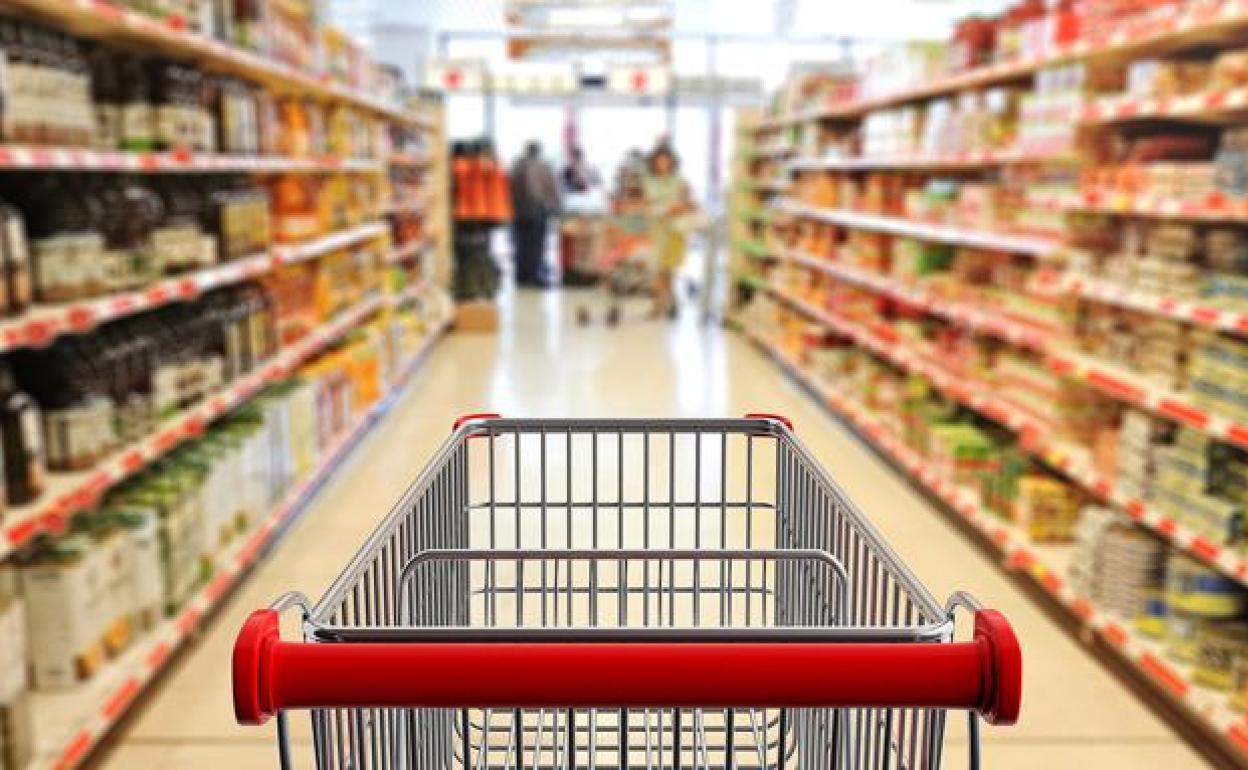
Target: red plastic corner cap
463,420
252,667
785,421
1003,695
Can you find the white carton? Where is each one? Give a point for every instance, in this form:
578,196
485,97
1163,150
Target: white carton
12,649
145,572
62,620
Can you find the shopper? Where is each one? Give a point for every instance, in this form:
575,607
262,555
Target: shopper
578,176
535,198
668,198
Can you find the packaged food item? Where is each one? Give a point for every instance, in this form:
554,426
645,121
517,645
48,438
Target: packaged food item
1197,591
1047,509
1118,566
1219,644
62,587
21,431
17,734
18,279
13,630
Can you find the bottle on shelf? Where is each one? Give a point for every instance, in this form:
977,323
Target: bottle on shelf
21,429
67,245
138,118
16,292
107,95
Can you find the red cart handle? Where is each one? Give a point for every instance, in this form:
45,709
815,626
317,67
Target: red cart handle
270,675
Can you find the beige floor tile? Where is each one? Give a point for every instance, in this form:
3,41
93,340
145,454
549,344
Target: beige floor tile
542,365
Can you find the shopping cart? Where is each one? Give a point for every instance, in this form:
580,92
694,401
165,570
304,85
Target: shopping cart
621,265
625,593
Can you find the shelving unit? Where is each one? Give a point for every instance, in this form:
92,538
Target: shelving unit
400,252
957,236
104,22
746,212
824,272
1045,567
1205,21
72,724
24,158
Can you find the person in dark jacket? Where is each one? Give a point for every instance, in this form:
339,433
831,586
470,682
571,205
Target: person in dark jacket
535,198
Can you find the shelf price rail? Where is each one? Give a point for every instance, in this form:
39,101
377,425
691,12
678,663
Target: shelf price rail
961,236
30,158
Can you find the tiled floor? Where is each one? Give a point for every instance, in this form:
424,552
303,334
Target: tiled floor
542,365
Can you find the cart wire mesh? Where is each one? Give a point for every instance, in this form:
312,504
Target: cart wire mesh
626,530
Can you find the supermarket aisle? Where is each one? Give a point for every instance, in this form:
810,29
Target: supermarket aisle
542,365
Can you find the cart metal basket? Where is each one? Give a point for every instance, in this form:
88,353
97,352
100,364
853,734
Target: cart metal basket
623,594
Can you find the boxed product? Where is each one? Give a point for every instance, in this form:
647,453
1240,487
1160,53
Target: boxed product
1118,565
1218,646
62,586
13,632
169,493
1201,592
17,736
143,535
1047,509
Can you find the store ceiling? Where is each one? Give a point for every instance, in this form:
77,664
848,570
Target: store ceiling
886,19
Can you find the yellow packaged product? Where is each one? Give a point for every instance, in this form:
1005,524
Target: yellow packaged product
1219,646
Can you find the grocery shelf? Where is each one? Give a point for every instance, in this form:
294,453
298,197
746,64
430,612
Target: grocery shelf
1108,378
86,715
773,151
769,185
1130,388
416,204
962,160
805,115
407,251
981,321
1214,105
762,216
98,20
1199,21
1021,244
332,242
31,158
408,294
42,324
1188,311
1036,437
413,160
754,249
1214,207
68,494
1042,565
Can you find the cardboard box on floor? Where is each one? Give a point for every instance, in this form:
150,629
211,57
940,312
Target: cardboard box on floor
477,318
